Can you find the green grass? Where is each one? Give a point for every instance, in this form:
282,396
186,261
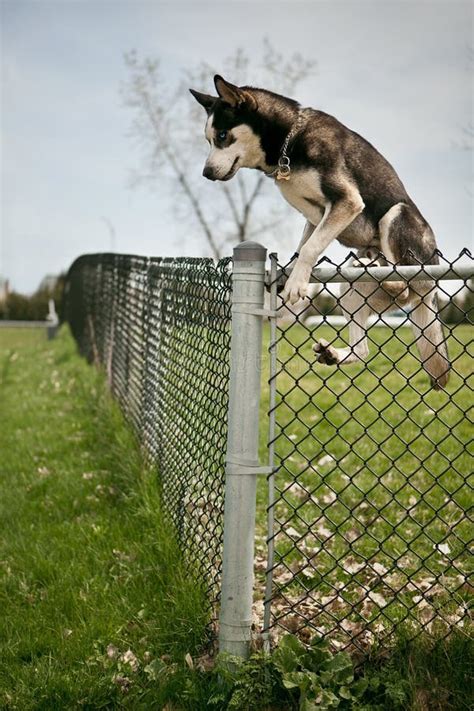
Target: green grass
100,611
375,473
88,565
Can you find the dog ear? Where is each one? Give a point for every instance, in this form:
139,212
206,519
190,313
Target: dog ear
234,95
205,100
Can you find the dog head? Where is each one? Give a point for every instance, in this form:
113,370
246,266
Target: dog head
234,142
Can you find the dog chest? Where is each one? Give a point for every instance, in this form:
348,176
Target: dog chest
303,192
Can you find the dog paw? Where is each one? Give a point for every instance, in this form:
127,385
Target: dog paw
297,285
293,294
325,353
369,260
360,262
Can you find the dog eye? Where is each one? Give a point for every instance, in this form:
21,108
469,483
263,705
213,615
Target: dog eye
222,135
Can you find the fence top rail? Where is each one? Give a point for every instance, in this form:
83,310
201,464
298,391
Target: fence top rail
336,274
407,273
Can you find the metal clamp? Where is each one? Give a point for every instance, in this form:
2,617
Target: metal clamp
236,466
242,309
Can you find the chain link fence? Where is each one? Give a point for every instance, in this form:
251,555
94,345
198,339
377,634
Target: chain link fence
160,328
370,522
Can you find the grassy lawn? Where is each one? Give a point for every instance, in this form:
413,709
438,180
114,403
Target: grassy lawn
93,592
373,488
99,611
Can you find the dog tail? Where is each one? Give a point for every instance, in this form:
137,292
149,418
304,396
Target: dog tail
430,341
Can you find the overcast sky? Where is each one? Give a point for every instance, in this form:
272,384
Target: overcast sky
396,72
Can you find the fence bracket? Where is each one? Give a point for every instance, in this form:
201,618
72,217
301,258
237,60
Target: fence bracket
242,309
236,466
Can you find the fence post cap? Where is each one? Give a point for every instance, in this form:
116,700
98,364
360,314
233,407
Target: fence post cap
250,252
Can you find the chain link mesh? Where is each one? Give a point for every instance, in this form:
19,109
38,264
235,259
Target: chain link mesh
370,510
160,328
370,503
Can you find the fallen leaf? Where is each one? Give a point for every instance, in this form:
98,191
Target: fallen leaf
329,497
379,568
205,663
129,658
112,651
353,567
189,661
123,682
327,459
378,599
323,531
298,491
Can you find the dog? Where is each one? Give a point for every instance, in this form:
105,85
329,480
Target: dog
347,191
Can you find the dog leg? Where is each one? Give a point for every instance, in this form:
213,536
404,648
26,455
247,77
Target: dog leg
398,289
358,302
356,311
307,232
403,228
429,338
335,219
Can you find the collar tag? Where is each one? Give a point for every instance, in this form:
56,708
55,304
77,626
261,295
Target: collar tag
284,169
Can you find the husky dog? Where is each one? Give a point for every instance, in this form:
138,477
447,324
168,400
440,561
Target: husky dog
346,191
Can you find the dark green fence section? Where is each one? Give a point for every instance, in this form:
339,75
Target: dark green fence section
160,328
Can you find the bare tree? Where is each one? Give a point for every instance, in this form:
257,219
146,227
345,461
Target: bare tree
167,126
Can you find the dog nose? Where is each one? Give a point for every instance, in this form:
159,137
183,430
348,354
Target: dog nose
208,173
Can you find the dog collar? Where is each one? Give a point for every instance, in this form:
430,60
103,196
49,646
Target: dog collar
284,168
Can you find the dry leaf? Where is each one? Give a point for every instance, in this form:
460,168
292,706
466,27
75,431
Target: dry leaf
323,531
123,682
112,651
129,658
189,661
378,599
353,567
327,459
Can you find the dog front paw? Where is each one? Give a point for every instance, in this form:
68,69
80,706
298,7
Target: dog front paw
291,294
297,284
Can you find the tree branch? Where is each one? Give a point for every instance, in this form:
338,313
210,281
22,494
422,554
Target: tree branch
166,142
249,205
175,164
233,206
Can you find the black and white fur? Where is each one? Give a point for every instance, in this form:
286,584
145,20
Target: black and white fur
347,191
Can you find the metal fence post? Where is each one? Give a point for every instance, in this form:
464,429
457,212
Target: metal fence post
52,320
242,464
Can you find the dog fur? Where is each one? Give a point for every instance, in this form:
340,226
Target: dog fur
347,191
